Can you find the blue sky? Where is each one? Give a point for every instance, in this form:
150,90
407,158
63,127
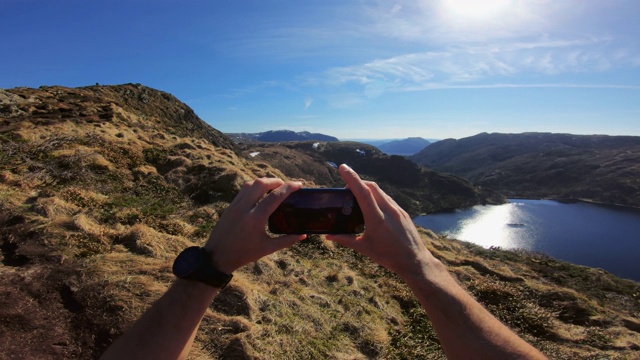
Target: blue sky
351,69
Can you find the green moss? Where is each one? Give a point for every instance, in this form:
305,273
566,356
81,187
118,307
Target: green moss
147,206
154,155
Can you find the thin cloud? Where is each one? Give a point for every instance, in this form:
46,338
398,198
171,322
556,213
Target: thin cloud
435,86
476,65
307,103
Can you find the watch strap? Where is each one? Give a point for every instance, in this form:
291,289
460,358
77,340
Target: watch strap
209,274
194,263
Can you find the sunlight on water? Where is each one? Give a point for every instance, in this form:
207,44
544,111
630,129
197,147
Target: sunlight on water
503,226
587,234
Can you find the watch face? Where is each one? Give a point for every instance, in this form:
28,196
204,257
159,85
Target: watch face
187,261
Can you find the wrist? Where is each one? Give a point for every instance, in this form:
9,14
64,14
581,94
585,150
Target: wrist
193,288
195,263
428,275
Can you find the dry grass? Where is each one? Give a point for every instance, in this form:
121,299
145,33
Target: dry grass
95,205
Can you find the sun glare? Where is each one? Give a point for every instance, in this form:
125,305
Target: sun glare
475,9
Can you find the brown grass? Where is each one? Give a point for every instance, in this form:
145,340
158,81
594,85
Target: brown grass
96,201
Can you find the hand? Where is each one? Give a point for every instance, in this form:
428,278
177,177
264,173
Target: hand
390,237
240,237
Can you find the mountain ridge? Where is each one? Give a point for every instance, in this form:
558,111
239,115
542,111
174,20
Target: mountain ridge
408,146
598,168
279,135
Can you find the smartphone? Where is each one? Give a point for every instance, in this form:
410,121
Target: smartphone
318,211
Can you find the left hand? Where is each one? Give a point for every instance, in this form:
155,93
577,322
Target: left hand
240,236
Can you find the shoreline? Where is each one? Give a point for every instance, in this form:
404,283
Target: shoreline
585,201
560,200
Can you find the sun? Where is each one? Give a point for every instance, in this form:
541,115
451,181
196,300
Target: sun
475,9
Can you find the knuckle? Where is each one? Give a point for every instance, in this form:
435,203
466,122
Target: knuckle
377,222
261,181
397,214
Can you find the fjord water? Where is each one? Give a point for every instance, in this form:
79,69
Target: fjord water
606,237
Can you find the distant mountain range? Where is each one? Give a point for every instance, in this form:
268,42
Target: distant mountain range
279,136
543,165
408,146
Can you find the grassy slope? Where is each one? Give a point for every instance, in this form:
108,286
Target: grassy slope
97,200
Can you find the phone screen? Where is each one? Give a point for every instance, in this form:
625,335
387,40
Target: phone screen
318,211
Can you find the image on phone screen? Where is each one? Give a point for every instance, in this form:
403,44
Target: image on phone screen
318,211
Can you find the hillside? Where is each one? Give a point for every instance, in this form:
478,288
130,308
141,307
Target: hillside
408,146
101,187
279,136
542,165
417,189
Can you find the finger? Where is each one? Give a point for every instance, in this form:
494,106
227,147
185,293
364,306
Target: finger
385,202
269,204
382,199
256,191
361,191
242,194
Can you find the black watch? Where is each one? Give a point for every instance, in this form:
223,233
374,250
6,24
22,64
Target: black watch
194,263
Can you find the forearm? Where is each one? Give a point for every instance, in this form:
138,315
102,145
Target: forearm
167,329
465,328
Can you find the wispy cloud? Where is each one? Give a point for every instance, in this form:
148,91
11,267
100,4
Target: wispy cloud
437,86
307,103
477,66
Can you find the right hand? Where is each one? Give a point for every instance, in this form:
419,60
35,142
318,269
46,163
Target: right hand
390,237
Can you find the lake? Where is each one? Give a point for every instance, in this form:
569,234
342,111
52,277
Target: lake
600,236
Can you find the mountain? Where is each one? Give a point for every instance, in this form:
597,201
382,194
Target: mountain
102,186
417,189
543,165
408,146
278,136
